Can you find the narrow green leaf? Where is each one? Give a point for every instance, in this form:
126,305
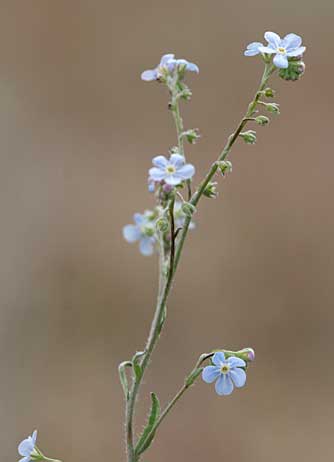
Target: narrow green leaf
123,378
136,366
146,437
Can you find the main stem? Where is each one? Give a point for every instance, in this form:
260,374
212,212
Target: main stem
166,281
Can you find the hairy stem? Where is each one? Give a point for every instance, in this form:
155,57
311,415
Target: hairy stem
166,281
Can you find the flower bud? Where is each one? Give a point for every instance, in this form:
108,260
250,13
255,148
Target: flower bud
191,135
262,120
167,188
162,225
249,137
151,186
225,166
188,209
174,150
211,190
269,93
273,108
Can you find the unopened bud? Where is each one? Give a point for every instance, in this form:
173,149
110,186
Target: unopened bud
249,137
188,209
262,120
225,166
162,225
211,190
269,93
191,135
273,108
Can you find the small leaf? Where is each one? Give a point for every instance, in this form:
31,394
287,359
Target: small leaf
136,366
146,437
123,378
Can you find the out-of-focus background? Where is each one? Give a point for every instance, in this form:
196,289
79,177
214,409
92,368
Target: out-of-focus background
78,129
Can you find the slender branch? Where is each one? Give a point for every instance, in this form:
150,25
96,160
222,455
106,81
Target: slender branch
179,126
268,70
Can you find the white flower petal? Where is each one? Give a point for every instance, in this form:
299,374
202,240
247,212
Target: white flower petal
224,385
131,233
149,75
210,373
177,160
297,52
218,358
186,172
157,174
146,246
292,41
160,161
269,50
273,38
281,61
238,376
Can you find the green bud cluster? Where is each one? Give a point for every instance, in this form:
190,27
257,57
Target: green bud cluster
295,70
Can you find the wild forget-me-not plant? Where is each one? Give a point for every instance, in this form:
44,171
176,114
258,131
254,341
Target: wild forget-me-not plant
164,229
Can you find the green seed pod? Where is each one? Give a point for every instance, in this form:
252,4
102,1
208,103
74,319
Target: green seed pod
269,93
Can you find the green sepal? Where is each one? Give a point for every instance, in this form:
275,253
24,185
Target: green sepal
247,354
147,436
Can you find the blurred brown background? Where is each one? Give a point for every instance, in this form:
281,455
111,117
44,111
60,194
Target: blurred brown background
78,130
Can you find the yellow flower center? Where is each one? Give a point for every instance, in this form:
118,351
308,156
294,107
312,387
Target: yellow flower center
170,169
225,369
281,50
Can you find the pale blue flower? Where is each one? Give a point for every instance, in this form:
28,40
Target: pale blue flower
27,448
142,231
167,65
227,373
172,171
288,47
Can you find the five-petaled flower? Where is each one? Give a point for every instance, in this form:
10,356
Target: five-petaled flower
228,372
142,231
172,171
288,47
27,448
168,64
